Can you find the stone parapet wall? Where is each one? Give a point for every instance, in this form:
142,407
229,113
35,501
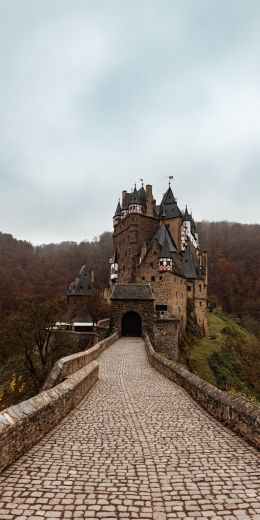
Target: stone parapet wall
240,415
70,364
24,424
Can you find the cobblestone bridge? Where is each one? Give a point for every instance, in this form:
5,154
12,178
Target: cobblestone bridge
136,447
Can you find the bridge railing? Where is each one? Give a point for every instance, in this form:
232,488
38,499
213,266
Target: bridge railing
239,414
23,425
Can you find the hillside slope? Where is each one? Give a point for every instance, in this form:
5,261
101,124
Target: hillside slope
229,357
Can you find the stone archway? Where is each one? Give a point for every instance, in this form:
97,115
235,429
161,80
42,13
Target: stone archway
131,324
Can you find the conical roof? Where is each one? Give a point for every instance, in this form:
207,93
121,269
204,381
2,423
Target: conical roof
142,195
186,216
134,198
168,197
118,210
169,207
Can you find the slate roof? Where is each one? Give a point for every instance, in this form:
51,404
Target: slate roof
162,234
82,317
134,198
186,216
118,210
82,285
189,265
132,291
127,199
142,195
165,251
169,207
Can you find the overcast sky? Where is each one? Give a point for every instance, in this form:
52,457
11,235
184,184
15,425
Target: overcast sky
95,95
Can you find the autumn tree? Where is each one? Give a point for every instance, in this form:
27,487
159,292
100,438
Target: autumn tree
33,328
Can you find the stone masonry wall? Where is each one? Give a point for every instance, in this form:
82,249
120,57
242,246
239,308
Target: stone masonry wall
129,235
166,334
200,300
24,424
143,308
237,413
168,289
174,225
70,364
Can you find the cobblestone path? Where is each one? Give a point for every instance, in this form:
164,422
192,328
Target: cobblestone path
136,447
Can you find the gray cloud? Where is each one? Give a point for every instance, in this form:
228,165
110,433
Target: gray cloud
96,94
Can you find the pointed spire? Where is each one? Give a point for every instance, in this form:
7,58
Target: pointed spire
186,216
168,197
135,199
118,209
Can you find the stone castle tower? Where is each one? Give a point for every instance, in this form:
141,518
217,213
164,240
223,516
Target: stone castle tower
157,246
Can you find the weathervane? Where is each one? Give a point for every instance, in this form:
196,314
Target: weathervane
142,181
170,177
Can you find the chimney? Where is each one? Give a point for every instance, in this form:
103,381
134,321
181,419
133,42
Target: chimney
92,276
149,200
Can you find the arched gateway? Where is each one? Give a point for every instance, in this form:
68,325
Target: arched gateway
131,324
131,311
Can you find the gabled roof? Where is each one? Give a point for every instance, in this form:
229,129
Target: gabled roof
82,285
165,251
132,291
162,234
189,265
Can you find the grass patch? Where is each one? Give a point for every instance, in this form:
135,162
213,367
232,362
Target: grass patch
228,357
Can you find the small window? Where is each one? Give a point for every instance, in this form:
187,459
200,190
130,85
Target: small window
152,278
189,288
160,277
161,307
151,264
155,252
200,287
143,277
200,304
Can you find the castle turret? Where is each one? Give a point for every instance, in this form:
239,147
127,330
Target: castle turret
117,215
135,205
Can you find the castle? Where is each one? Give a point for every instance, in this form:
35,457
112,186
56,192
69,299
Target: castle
157,267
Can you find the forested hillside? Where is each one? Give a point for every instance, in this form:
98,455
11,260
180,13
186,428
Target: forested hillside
47,269
234,267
